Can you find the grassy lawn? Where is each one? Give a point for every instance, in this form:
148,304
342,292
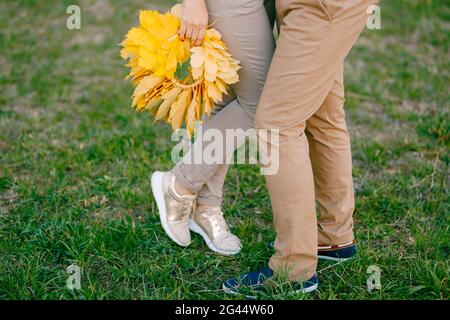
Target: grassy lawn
75,161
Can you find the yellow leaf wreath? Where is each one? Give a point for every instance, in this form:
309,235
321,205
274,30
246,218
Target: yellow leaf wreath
174,80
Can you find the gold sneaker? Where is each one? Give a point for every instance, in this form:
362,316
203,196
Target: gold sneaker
174,209
211,225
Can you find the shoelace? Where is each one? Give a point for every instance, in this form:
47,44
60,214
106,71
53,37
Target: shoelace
216,217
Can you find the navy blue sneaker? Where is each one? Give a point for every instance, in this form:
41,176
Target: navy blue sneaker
333,253
251,283
337,253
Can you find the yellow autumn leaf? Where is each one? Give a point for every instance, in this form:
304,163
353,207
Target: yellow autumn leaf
152,104
147,59
213,92
222,86
229,77
197,73
207,105
178,110
169,98
146,84
211,70
190,115
198,57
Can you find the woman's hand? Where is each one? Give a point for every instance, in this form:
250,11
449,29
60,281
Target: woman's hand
194,20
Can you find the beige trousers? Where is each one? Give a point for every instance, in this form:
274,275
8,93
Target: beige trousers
303,98
246,27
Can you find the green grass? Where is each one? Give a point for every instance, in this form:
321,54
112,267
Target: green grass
75,161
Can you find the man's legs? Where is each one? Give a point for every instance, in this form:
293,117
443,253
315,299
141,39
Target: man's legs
315,37
331,159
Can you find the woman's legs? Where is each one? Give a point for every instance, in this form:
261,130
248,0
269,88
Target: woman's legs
247,30
315,38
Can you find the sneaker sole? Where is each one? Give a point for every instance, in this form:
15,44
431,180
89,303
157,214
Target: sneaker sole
333,259
196,228
158,194
300,291
234,293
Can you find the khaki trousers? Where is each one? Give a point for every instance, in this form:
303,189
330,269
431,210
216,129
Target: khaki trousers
303,98
246,27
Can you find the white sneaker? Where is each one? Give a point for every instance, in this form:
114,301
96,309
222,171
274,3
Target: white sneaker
174,209
211,225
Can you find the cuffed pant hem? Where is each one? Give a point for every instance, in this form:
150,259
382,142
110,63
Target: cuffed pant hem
291,269
329,240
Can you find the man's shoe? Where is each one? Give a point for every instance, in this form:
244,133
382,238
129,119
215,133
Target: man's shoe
211,225
332,253
338,252
174,209
254,282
